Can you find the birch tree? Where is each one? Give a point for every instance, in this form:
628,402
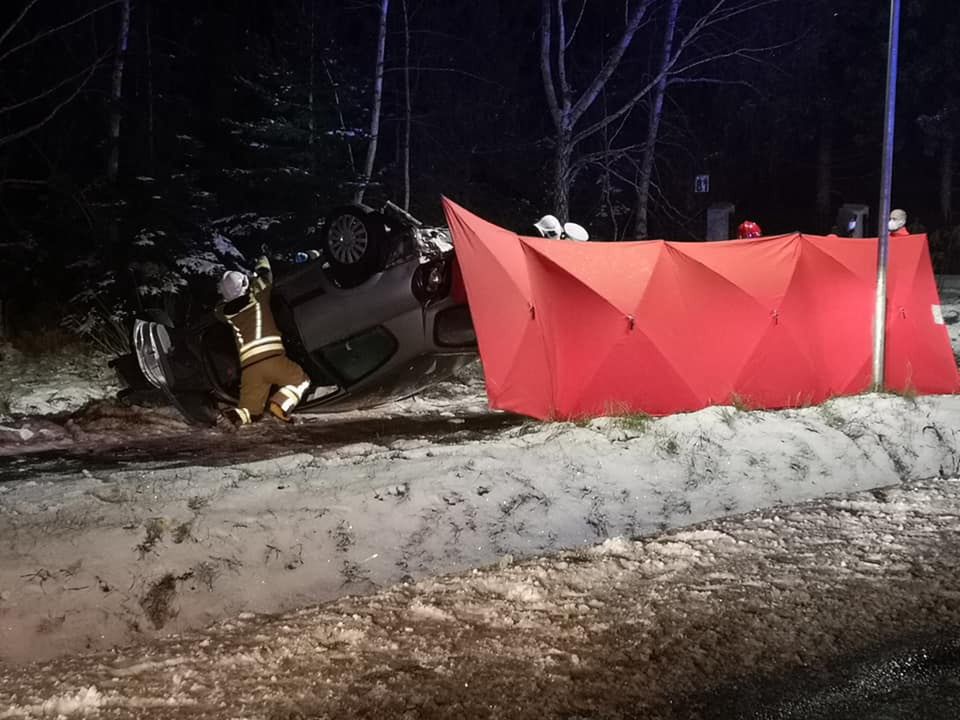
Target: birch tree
567,110
653,126
151,136
407,108
116,92
569,107
311,84
377,104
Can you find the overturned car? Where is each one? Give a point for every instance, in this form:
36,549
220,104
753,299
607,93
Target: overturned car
376,313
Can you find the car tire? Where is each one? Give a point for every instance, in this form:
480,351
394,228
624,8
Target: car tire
353,242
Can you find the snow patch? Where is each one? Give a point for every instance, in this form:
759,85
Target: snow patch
225,247
84,702
430,612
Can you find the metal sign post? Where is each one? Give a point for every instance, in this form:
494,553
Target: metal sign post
886,174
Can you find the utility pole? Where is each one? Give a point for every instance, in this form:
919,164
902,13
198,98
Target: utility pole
886,174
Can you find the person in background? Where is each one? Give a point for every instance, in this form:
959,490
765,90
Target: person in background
749,229
898,223
573,231
549,227
263,360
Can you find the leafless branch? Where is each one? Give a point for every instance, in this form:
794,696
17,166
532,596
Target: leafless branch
23,182
711,81
546,69
49,91
612,62
565,91
718,13
745,53
58,28
13,25
6,140
455,71
613,152
339,109
576,25
617,174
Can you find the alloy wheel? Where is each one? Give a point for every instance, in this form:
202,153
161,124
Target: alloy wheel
348,239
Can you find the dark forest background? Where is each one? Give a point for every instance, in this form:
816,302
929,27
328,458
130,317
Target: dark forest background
146,144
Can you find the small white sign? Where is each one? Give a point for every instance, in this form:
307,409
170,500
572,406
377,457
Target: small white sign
937,314
701,184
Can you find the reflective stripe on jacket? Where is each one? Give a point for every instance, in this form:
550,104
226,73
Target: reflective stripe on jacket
253,325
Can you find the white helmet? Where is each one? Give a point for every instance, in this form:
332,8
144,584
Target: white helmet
549,226
898,218
233,284
575,232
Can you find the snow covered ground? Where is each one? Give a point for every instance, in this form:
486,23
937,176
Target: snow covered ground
476,564
99,550
52,382
677,625
949,287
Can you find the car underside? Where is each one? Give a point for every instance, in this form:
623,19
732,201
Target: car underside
378,315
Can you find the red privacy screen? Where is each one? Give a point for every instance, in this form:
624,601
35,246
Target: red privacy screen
570,329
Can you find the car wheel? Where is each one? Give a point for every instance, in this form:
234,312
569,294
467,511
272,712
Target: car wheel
353,242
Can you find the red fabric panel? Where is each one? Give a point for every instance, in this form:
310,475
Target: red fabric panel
918,355
498,288
599,357
580,329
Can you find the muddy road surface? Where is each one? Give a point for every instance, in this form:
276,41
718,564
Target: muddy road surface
126,437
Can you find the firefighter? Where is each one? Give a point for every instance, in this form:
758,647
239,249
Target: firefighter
749,229
549,227
263,361
898,223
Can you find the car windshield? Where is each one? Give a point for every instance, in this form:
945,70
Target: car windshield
359,355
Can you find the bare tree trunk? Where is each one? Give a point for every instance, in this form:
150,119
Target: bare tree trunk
343,125
377,103
116,92
407,109
311,110
824,169
561,176
564,111
151,138
946,177
606,179
559,101
568,107
607,195
640,227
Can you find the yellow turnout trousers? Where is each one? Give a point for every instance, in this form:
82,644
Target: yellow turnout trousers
258,379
